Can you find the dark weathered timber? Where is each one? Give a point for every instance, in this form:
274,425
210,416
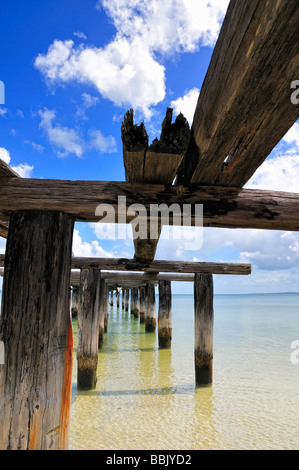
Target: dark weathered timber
135,302
203,324
75,301
106,304
124,264
35,327
135,143
244,107
150,308
122,299
88,328
142,294
165,315
103,304
3,228
222,207
127,296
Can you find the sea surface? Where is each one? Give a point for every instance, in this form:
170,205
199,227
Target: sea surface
146,399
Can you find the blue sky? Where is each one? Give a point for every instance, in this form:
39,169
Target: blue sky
72,69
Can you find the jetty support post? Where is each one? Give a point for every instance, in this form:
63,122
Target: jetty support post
203,325
75,301
136,303
150,311
103,308
122,298
142,296
127,299
88,328
165,315
36,332
106,305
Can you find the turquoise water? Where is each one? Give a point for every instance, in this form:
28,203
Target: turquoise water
146,398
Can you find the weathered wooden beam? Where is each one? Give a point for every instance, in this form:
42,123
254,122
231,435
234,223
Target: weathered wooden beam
222,207
35,328
150,308
203,324
157,164
244,107
3,228
6,171
88,328
165,315
124,264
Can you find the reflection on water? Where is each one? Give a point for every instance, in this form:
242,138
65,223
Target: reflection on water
146,398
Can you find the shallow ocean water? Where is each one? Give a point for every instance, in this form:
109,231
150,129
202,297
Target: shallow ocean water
146,399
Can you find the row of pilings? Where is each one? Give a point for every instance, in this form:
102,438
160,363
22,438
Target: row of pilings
90,304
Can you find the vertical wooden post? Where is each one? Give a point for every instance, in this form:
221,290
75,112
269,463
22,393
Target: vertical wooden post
131,301
36,331
106,304
111,297
127,299
136,303
117,297
75,301
165,314
122,298
150,313
142,304
88,328
103,304
203,324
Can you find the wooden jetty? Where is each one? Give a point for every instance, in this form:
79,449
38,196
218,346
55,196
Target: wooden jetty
243,111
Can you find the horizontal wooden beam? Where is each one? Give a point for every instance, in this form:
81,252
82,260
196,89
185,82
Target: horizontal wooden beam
222,207
160,266
244,107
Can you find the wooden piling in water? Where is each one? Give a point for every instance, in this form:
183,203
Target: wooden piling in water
106,304
123,298
203,325
88,328
164,315
150,308
142,298
103,305
36,331
127,299
136,303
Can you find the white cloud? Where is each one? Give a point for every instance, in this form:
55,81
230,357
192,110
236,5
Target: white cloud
24,170
80,35
38,147
3,112
123,72
4,155
89,100
66,140
292,136
126,71
186,104
85,249
101,143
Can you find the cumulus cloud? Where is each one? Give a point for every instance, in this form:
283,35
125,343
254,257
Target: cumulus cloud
66,140
186,104
102,143
86,249
4,155
24,170
126,71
